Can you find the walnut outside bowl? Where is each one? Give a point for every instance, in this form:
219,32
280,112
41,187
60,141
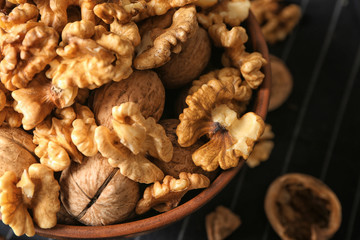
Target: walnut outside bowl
160,220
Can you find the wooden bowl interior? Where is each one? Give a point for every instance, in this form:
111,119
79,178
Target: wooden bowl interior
161,220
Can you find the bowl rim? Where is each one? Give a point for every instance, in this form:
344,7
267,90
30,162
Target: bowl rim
142,226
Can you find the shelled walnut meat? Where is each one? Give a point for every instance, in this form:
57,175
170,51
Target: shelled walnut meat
82,93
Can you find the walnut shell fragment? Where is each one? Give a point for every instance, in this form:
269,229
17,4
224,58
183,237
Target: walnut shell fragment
167,195
221,223
300,206
281,83
208,114
158,44
95,193
142,87
16,150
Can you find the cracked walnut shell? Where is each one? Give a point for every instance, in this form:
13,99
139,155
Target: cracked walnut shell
300,206
96,193
167,195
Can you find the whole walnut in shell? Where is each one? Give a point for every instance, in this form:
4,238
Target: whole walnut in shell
181,161
96,193
16,150
189,63
142,87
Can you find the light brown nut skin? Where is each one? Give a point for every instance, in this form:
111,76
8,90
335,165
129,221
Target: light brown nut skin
189,63
181,161
281,84
142,87
115,201
290,203
16,150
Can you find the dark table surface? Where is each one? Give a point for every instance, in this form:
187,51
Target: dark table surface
317,130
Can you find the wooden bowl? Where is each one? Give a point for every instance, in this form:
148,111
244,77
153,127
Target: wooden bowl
163,219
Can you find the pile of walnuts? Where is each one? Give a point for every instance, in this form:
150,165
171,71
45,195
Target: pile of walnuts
82,93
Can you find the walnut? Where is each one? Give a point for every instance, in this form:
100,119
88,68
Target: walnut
20,14
221,223
13,210
53,137
233,40
262,148
300,206
167,195
142,87
230,77
160,7
96,193
181,161
39,98
230,12
7,113
26,48
82,134
37,190
189,63
281,83
132,138
275,19
90,56
55,14
230,137
123,11
16,150
158,43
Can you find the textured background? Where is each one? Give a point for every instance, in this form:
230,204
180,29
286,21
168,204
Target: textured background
316,129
